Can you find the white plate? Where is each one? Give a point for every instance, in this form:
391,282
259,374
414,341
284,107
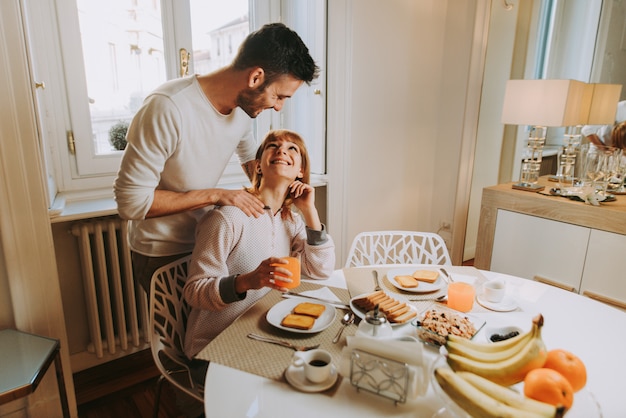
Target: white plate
295,377
505,305
279,311
361,313
423,286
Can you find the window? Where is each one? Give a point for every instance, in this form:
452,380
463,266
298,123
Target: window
110,55
546,24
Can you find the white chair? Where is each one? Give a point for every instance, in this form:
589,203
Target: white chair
397,247
168,319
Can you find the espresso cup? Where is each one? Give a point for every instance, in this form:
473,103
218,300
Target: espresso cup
316,364
494,290
293,265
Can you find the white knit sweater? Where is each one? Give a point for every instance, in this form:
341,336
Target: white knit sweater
177,141
229,243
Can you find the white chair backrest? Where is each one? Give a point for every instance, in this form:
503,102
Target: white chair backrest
397,247
168,320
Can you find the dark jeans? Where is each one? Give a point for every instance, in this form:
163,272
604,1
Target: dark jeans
145,266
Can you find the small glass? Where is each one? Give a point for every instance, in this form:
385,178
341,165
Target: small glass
618,182
461,296
294,267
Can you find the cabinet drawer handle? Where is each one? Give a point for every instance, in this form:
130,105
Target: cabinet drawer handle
563,286
604,299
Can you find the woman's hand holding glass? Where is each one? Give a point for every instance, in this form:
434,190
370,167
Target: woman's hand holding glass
280,273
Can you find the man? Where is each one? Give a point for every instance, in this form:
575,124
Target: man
185,133
600,135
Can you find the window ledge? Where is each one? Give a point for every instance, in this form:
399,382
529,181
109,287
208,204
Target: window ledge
63,209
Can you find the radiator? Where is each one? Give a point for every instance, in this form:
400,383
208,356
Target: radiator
117,310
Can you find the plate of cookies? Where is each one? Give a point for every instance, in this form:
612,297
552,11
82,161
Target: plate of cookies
416,279
303,317
397,312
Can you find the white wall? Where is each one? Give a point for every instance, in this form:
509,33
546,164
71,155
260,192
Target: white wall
489,139
397,100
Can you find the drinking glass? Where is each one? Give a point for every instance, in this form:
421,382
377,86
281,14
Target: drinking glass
594,166
294,267
617,182
579,165
610,160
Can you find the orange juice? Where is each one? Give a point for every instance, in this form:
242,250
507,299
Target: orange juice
294,268
461,296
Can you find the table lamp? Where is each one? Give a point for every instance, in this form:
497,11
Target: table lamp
602,100
541,104
599,106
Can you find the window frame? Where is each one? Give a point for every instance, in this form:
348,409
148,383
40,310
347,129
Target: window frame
60,112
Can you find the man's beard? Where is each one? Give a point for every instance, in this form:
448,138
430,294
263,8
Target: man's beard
251,102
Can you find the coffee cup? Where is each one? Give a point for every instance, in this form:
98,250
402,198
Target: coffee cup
494,290
293,265
316,363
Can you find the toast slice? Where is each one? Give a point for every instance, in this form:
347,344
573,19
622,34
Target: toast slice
296,321
400,319
395,311
428,276
407,281
310,309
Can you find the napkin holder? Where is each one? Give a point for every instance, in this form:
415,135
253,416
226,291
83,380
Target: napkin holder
380,375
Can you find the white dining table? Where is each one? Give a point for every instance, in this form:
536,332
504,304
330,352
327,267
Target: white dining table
591,330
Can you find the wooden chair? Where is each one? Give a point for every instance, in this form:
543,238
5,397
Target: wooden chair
168,321
397,247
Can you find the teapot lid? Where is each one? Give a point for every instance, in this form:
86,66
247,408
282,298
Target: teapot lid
376,317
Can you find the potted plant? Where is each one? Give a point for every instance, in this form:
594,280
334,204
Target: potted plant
117,135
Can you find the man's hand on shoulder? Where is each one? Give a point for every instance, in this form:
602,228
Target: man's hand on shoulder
248,203
166,202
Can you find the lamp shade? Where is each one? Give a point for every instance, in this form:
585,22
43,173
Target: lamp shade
602,100
546,102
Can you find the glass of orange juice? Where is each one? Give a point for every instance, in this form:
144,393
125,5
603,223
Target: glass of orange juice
461,296
294,267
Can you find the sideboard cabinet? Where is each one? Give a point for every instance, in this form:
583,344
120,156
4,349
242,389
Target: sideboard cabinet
568,244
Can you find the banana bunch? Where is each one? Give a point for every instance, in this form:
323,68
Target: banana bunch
505,362
481,397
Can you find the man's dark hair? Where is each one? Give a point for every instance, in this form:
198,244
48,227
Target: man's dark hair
279,51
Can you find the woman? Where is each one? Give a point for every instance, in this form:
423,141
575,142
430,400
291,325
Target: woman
233,261
618,136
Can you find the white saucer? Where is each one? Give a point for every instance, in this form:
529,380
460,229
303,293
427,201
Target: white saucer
295,377
507,304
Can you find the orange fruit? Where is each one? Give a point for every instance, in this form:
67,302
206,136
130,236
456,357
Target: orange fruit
569,365
549,386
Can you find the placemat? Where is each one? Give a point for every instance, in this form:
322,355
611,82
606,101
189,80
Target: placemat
234,349
360,280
